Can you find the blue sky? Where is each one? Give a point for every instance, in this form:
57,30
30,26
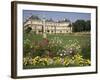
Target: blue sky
55,15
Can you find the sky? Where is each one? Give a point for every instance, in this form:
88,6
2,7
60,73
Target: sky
55,15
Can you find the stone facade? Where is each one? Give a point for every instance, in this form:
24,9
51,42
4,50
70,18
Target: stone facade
51,27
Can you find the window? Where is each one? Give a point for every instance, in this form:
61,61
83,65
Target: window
52,31
48,31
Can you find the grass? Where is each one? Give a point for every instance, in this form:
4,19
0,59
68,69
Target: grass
83,39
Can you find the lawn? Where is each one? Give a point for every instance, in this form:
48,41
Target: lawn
84,40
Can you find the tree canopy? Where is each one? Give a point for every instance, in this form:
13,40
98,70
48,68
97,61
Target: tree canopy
81,25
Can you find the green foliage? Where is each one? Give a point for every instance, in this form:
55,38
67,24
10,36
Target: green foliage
55,44
28,29
81,25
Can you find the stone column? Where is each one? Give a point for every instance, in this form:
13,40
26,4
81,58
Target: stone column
44,29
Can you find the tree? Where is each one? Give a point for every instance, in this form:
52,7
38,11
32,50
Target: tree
34,17
88,25
67,20
28,29
81,25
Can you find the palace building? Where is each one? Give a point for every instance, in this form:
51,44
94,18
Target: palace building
48,26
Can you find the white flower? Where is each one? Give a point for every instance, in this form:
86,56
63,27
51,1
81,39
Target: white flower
61,54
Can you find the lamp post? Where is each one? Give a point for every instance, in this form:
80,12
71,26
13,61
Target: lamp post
44,28
71,27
